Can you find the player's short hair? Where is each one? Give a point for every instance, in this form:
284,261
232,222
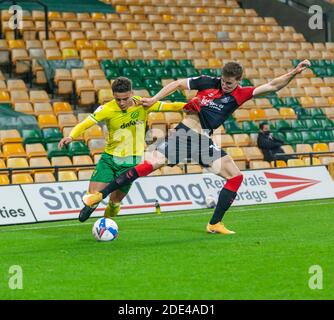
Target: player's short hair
121,84
233,69
262,124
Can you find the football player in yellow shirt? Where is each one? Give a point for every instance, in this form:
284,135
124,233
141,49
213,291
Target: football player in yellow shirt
126,118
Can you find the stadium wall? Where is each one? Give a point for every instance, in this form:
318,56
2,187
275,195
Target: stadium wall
32,203
295,14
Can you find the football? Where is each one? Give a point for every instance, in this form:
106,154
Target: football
105,229
210,201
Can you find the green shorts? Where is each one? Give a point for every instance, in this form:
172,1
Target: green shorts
109,168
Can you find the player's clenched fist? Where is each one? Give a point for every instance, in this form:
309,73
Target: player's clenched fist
302,66
64,141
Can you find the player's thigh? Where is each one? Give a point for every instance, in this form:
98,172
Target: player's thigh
225,167
95,186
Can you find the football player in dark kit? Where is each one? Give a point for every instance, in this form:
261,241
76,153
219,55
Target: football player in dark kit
216,99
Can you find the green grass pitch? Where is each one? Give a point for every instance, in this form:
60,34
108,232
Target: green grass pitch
170,256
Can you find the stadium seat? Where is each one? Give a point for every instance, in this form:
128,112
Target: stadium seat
13,150
53,151
41,177
61,161
171,170
47,121
62,107
253,153
295,163
40,162
96,146
17,163
279,164
93,132
76,148
67,120
320,147
22,178
315,161
241,140
35,150
52,134
10,136
259,164
236,153
24,107
67,176
85,174
4,180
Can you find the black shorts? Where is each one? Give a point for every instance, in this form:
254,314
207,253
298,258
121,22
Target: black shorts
185,145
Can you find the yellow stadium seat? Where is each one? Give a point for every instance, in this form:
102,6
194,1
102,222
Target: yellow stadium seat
171,170
85,91
40,162
223,140
53,54
85,174
9,136
62,107
173,117
326,160
259,164
67,176
16,44
156,118
67,120
96,146
295,163
70,54
14,84
257,114
279,164
19,96
241,114
105,95
320,147
47,121
253,153
315,161
22,178
4,96
241,140
94,132
41,177
84,159
17,163
194,168
12,150
61,161
287,113
236,153
164,54
155,173
39,96
43,108
2,164
4,179
96,158
35,150
303,148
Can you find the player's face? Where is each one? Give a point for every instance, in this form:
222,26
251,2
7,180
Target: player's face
124,99
229,84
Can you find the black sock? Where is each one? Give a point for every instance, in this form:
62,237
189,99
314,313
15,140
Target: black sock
226,197
123,180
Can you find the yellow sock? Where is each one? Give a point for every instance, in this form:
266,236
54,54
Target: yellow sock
112,209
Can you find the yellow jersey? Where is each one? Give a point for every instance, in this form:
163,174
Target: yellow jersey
126,129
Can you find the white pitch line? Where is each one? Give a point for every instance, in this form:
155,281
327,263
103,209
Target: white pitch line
171,216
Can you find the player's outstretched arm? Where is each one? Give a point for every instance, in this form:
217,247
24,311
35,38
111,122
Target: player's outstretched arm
282,81
77,131
165,91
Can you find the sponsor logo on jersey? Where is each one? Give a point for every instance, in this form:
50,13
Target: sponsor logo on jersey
131,123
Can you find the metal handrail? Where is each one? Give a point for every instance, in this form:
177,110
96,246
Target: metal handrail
310,154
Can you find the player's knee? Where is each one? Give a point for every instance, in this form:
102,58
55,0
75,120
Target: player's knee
233,184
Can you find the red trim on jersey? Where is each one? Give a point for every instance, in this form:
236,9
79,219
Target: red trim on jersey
242,94
203,97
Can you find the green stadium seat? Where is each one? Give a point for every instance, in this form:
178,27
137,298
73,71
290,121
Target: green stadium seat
191,72
302,113
291,102
52,134
272,127
77,148
130,72
153,84
138,83
282,125
293,138
176,96
108,64
112,73
177,73
32,136
316,113
327,124
138,63
186,63
249,127
279,135
163,73
53,151
155,63
325,136
298,125
147,72
319,71
124,63
295,62
277,102
330,71
170,63
209,72
246,82
313,124
309,137
231,127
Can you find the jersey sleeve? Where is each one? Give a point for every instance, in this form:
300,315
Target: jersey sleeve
244,94
99,114
166,106
202,83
